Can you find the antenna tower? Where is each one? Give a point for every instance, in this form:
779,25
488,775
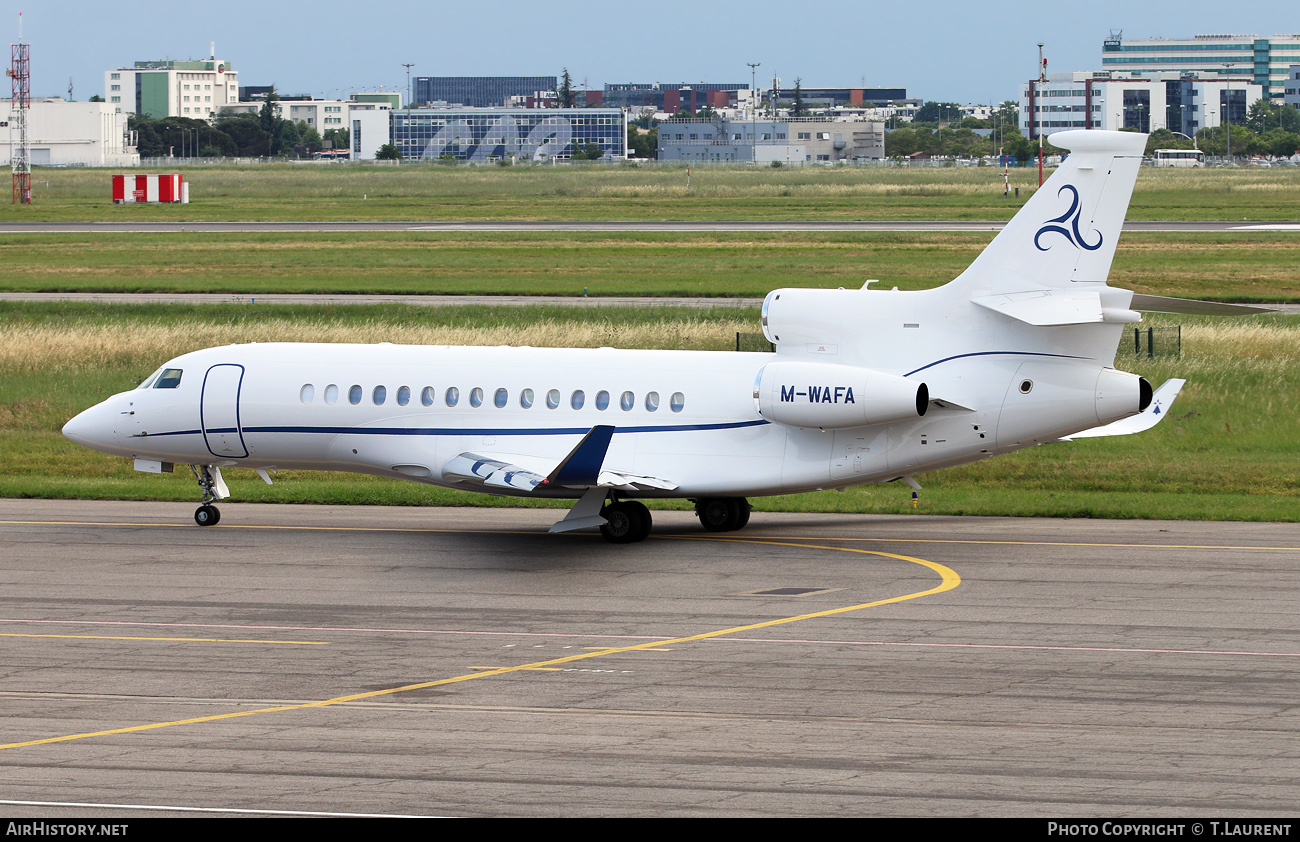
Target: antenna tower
21,73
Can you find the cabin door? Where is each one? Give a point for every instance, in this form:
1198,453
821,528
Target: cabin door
219,411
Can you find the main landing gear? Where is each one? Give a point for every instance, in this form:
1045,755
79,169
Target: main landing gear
626,522
214,489
722,514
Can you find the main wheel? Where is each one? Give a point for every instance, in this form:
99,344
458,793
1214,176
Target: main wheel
207,515
718,514
722,514
626,522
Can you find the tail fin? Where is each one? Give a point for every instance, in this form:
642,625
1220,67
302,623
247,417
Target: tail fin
1066,233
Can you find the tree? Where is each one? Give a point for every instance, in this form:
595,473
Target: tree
934,112
339,137
388,152
798,110
566,90
96,98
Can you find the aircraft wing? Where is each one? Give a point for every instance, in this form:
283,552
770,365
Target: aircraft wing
582,468
1145,420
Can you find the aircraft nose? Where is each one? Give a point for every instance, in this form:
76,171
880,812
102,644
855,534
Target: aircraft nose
95,428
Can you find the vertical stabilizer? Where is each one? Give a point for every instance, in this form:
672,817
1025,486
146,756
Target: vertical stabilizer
1066,233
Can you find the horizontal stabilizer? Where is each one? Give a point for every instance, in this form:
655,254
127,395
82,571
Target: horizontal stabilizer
1050,307
1192,307
1145,420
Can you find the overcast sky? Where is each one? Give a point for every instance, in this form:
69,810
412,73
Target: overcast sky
968,52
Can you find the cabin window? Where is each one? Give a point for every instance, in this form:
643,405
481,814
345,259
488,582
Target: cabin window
553,399
354,395
453,396
307,393
500,398
476,397
602,400
331,394
426,396
403,395
677,401
526,398
379,395
169,379
626,401
651,401
578,399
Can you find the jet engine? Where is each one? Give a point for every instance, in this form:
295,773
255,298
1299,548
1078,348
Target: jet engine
830,396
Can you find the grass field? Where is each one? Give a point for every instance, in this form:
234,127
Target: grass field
1231,267
1229,450
636,192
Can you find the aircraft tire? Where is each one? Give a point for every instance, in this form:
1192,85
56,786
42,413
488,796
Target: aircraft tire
626,522
207,515
722,514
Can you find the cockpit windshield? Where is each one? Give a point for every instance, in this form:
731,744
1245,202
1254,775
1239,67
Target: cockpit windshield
169,379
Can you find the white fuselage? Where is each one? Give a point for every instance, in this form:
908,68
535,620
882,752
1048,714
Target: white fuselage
384,410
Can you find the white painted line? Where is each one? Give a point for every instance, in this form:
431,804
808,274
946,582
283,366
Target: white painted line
176,809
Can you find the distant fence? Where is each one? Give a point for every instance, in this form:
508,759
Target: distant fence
753,342
1152,342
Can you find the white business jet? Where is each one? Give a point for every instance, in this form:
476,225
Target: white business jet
864,386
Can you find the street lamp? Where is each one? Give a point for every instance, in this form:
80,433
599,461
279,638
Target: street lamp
753,110
1227,106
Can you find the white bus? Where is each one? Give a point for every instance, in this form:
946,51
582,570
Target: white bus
1179,158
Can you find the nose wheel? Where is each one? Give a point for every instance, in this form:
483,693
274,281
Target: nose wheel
214,488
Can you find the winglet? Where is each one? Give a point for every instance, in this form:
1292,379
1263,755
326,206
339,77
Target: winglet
582,466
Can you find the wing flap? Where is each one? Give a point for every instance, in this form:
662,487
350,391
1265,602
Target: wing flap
583,467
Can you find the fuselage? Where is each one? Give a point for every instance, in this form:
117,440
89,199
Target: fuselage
401,411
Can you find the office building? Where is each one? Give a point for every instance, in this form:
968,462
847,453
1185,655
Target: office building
1180,102
1266,60
166,88
477,91
483,134
795,141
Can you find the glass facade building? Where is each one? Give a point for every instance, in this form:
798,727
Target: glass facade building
477,91
481,134
1266,60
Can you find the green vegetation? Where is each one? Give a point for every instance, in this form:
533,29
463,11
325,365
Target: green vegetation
1233,267
355,191
1228,452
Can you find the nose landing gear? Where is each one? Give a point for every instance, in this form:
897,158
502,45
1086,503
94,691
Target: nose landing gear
214,489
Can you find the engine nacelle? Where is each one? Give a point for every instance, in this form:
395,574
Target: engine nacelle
830,396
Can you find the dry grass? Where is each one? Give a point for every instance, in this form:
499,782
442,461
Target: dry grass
53,348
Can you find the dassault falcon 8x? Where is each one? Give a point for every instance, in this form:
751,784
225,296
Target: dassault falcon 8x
864,386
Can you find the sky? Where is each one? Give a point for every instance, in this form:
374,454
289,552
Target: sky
966,52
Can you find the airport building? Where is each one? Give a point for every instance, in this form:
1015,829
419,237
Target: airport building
485,134
1113,100
320,114
795,141
71,134
477,91
670,98
1291,94
166,88
1266,60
